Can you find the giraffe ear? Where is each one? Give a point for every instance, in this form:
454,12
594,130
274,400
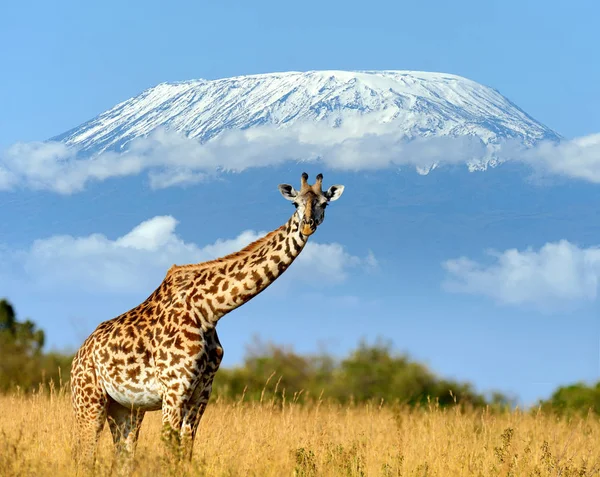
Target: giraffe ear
334,192
288,191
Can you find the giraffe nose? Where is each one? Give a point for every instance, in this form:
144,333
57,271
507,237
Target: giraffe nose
308,227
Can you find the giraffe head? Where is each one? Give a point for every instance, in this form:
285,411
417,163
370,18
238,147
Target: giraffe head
310,201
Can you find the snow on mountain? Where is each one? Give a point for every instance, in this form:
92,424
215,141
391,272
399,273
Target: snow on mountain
421,104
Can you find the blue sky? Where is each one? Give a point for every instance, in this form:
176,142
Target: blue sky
417,273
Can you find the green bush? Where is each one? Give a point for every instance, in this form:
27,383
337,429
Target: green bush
577,398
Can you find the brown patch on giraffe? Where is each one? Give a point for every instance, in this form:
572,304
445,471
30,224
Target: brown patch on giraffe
268,273
147,358
130,332
202,312
247,297
169,343
117,362
258,280
187,320
210,305
133,389
191,336
212,290
178,343
140,346
287,250
195,349
133,373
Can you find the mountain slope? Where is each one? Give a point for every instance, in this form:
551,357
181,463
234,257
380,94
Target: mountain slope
422,104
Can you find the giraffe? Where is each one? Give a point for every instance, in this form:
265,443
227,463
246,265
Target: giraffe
164,353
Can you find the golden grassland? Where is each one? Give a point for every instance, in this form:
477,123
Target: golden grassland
279,438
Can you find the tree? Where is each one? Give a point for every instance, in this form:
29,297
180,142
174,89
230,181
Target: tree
376,372
21,346
23,335
7,317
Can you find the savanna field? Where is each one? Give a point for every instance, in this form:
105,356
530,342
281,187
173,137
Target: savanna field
278,437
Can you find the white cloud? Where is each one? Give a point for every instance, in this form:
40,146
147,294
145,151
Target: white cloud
175,177
171,159
139,259
578,158
557,272
7,181
54,166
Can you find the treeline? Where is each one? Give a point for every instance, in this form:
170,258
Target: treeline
371,372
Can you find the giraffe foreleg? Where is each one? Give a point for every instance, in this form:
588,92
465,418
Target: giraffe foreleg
196,405
192,414
172,417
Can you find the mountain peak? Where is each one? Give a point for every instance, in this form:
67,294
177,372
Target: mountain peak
422,104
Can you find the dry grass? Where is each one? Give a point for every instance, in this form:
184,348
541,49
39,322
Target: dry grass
288,439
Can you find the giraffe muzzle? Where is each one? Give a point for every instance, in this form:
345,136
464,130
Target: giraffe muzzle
308,227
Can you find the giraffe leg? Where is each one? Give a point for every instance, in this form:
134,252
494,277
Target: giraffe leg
194,408
171,425
90,404
192,414
124,426
89,426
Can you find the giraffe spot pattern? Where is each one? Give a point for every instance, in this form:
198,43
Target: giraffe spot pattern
164,353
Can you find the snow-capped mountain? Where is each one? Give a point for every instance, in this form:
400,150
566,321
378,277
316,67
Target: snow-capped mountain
422,104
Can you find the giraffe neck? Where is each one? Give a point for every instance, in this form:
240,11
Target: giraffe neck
215,288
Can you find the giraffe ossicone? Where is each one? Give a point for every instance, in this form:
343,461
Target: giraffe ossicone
164,353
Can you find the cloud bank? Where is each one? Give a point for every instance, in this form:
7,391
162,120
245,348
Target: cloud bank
171,159
557,272
578,158
139,259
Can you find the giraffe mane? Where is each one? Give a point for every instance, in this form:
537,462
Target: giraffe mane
226,258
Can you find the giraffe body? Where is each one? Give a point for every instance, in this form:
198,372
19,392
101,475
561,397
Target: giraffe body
164,353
